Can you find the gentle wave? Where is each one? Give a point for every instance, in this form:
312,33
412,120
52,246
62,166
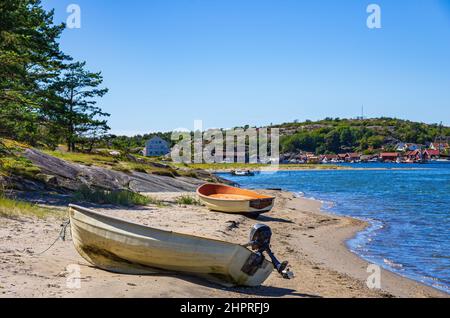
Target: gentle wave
392,264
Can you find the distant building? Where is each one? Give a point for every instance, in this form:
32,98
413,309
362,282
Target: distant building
415,155
418,155
440,146
349,157
389,156
369,158
342,156
329,158
156,147
431,154
402,147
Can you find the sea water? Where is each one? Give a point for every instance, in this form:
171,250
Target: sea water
408,207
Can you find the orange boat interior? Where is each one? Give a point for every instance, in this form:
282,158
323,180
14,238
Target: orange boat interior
223,192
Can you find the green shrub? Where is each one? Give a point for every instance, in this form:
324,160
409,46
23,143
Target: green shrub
18,165
12,208
187,200
118,197
121,169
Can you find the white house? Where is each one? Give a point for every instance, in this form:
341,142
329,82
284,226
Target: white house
156,147
401,146
406,147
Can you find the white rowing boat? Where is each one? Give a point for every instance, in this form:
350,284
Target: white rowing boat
120,246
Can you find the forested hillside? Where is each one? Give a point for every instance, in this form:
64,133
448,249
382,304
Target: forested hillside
328,135
344,135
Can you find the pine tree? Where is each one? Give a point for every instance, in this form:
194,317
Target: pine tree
29,58
71,107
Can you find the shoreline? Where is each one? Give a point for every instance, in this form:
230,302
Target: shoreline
369,227
372,227
344,168
395,283
312,240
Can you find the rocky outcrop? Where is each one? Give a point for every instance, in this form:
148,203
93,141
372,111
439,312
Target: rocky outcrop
61,175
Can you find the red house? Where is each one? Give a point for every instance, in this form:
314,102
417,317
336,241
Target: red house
431,154
427,154
418,155
413,155
389,156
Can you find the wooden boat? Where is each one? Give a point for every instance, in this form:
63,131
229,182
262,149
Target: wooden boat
120,246
223,198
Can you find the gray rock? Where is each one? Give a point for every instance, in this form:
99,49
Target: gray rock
71,176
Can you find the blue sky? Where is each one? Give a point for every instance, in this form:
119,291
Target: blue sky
237,62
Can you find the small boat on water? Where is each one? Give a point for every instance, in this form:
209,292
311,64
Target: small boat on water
120,246
243,173
223,198
440,161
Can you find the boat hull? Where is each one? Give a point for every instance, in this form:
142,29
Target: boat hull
119,246
228,199
233,206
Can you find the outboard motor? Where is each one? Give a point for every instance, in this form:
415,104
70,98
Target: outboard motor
260,236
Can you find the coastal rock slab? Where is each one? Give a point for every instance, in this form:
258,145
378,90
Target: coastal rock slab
71,176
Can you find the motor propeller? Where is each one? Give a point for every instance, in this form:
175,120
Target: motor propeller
260,236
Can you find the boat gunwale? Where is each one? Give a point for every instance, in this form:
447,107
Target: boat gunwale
77,208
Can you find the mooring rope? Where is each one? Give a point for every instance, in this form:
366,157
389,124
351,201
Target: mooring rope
62,236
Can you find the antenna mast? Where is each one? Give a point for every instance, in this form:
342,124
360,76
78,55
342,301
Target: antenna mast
439,137
362,113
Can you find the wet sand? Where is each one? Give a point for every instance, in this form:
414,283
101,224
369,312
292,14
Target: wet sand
312,241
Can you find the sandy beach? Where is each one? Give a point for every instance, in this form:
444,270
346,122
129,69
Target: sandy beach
312,241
